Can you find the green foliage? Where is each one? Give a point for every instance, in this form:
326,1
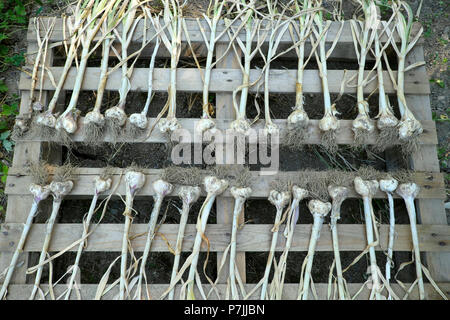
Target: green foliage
13,17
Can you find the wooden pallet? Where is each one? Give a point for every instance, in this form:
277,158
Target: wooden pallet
434,233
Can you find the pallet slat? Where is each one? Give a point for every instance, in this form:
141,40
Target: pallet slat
344,135
196,36
432,184
225,80
251,238
290,291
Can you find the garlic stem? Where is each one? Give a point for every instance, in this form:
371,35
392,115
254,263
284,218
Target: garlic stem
189,195
40,193
48,234
279,200
338,194
409,191
319,210
388,185
162,188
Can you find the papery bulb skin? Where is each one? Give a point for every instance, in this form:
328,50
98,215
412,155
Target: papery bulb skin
409,128
162,188
168,125
61,189
67,122
279,199
189,194
319,208
39,192
241,193
37,106
388,185
329,123
134,180
271,129
299,193
94,117
46,119
366,188
139,120
363,123
241,126
386,120
102,185
205,124
214,185
407,190
298,119
117,115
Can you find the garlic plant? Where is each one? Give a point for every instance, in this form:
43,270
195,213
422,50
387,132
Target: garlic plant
59,188
162,188
409,191
67,121
138,121
40,191
279,199
101,184
337,194
319,210
47,119
134,181
386,120
115,116
409,127
388,185
329,124
363,33
298,120
252,27
21,124
278,25
298,194
206,122
240,191
173,17
189,195
94,121
367,189
213,187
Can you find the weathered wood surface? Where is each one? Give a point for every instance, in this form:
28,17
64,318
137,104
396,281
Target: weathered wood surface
226,80
344,135
431,184
290,291
251,238
196,36
429,211
225,205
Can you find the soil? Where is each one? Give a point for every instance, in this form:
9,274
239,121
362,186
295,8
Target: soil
93,264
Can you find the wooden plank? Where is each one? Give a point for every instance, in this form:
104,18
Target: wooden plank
196,36
18,207
429,211
290,291
344,134
225,80
225,206
251,238
432,185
